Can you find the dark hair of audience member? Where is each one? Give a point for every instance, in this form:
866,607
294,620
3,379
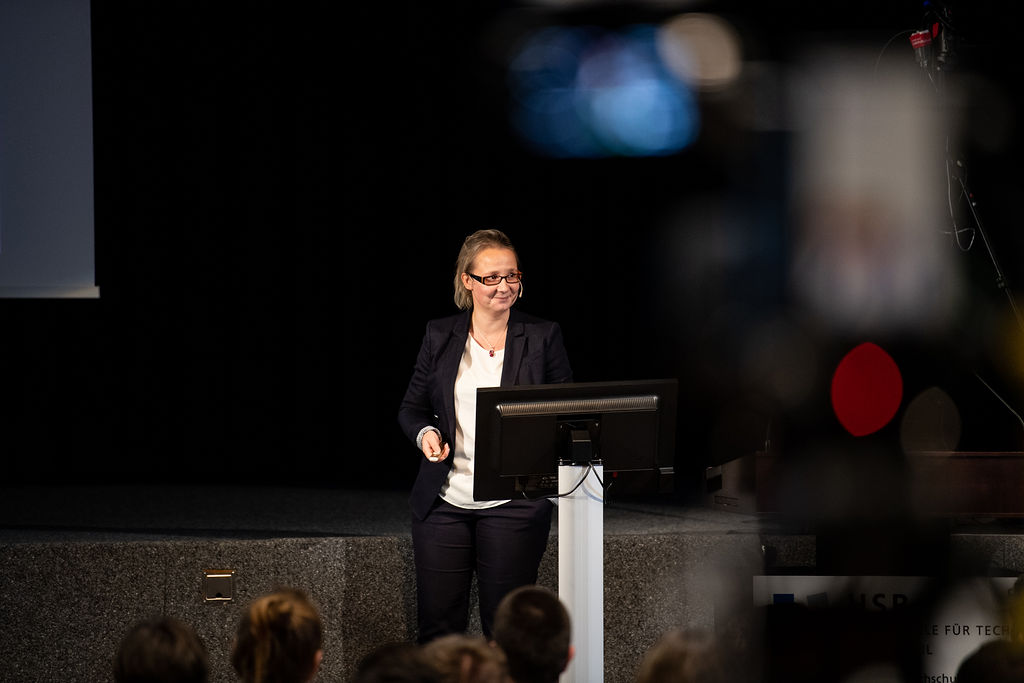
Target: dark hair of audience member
161,650
682,656
460,658
279,639
400,662
997,661
532,627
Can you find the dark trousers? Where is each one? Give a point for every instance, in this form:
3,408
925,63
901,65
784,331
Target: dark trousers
503,545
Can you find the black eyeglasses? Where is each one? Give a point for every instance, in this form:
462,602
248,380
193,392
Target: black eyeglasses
491,280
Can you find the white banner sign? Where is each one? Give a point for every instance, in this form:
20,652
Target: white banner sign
965,618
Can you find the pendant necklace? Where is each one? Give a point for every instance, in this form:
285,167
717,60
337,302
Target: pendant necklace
491,352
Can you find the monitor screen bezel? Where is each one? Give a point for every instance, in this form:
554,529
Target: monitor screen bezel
496,477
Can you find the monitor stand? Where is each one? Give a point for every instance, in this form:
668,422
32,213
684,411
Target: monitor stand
581,567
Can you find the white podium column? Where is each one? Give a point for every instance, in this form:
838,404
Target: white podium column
581,569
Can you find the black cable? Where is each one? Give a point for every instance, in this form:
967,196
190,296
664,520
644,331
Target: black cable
590,468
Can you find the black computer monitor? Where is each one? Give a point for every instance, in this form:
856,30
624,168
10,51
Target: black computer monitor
524,432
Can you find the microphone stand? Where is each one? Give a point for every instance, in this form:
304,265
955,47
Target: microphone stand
945,61
935,67
1000,277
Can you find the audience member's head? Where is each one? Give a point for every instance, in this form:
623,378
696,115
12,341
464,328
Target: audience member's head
998,661
464,659
401,662
682,657
532,628
161,651
279,639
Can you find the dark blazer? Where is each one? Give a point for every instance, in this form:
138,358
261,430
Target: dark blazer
534,354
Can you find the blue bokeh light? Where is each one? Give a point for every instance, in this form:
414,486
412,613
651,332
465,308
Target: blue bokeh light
587,92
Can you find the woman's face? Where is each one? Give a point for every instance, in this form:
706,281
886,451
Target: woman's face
492,298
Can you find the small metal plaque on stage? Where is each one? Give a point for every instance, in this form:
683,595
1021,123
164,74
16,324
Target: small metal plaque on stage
218,585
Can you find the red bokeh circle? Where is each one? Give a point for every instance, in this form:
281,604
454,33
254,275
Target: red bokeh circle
866,389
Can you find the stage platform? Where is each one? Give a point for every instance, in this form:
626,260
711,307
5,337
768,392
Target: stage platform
79,565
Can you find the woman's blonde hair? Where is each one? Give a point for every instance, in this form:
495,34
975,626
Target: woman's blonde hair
471,247
278,639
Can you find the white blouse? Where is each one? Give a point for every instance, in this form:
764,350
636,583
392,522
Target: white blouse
477,369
